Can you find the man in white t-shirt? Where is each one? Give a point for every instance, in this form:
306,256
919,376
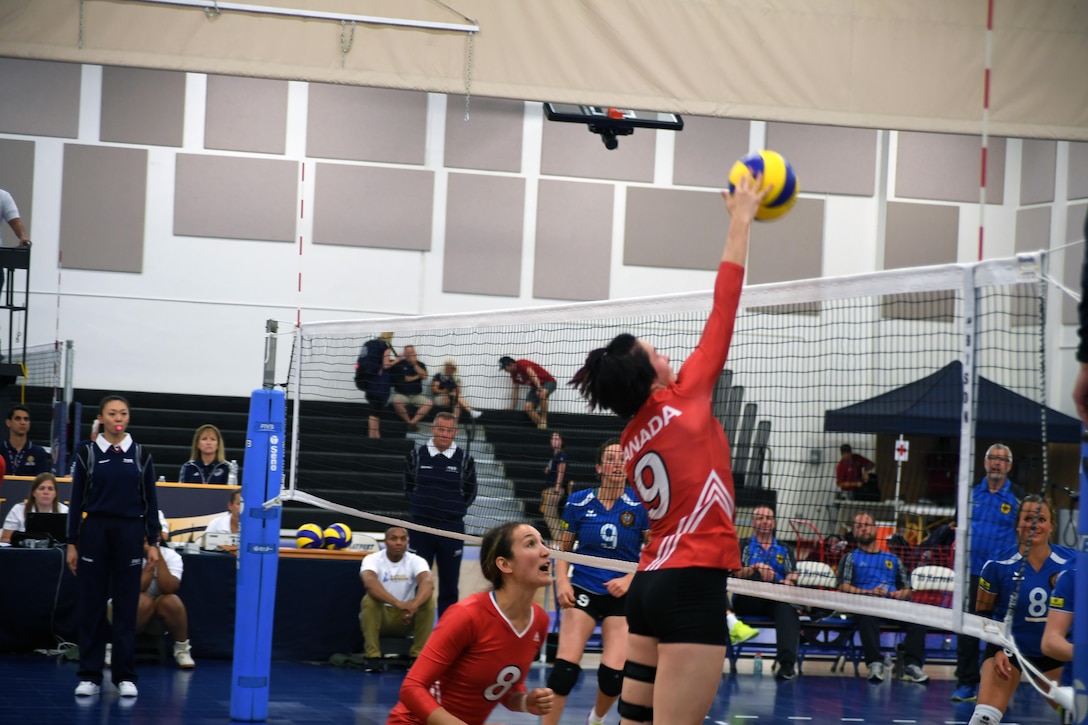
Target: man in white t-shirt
229,522
399,599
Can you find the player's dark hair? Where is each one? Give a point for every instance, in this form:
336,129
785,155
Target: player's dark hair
618,377
845,448
109,399
604,447
497,542
11,413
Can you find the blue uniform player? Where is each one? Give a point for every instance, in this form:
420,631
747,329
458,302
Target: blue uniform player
610,522
1031,571
1059,620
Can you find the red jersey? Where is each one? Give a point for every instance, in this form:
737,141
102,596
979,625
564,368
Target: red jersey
849,470
521,374
678,457
473,660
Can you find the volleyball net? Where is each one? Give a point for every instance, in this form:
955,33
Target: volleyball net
918,370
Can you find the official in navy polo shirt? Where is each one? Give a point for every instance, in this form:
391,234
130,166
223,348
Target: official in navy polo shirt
23,456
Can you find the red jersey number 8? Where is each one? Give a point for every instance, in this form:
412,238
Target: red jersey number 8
653,484
508,677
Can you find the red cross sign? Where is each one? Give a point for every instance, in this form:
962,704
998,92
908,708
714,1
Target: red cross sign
902,449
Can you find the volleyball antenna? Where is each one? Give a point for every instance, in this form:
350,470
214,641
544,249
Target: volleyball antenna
609,123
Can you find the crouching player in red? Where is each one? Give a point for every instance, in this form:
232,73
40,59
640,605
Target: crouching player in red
483,646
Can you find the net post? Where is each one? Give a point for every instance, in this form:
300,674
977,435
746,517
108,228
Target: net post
258,553
967,442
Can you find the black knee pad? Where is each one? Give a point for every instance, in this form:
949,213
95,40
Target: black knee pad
639,672
609,681
564,677
638,713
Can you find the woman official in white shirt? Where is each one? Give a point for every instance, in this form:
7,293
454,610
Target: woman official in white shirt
42,498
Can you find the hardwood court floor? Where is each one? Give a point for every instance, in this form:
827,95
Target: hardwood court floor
36,689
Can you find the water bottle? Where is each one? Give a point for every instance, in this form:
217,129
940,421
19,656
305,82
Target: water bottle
757,664
232,475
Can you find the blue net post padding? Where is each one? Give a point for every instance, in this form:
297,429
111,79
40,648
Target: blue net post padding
258,553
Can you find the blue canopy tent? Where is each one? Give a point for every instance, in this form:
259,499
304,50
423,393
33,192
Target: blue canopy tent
932,406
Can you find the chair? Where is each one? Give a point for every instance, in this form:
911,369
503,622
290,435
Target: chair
810,542
816,574
932,585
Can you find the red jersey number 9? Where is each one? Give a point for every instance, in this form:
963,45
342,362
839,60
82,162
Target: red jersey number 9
652,484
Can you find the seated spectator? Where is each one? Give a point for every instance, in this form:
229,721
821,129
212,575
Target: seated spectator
398,599
42,498
765,559
408,376
22,456
207,462
229,522
446,389
868,570
159,600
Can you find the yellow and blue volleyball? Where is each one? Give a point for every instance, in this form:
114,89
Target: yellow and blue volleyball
777,174
337,536
309,536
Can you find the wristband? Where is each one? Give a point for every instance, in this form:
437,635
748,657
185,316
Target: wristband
525,703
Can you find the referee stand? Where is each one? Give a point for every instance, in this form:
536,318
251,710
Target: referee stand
15,267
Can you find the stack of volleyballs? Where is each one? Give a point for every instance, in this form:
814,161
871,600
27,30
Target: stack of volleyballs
777,174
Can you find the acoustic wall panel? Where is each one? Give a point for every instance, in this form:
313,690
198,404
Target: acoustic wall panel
39,98
245,114
366,124
103,197
1032,229
367,206
490,139
677,228
484,223
570,149
235,198
828,159
1038,159
790,248
1074,258
945,167
706,149
573,240
1078,171
142,106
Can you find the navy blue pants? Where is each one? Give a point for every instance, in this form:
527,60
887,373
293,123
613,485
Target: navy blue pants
447,552
111,555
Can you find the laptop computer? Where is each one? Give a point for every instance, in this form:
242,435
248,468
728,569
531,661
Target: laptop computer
38,525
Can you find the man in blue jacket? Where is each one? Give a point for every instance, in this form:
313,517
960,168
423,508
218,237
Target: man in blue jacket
440,481
994,503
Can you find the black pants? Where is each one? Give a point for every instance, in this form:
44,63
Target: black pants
914,646
787,624
967,669
447,552
111,554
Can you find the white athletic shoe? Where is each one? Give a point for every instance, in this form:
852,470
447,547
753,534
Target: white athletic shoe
127,689
86,688
876,672
182,653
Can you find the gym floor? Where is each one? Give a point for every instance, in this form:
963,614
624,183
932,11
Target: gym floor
38,689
